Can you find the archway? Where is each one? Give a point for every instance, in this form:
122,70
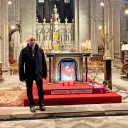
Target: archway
14,44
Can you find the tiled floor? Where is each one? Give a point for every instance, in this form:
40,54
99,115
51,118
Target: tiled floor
84,122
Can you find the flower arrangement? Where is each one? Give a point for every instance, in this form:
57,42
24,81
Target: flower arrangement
94,73
106,85
11,60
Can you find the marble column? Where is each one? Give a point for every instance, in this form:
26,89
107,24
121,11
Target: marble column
28,19
84,21
116,11
4,44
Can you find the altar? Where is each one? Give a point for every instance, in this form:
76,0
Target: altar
67,66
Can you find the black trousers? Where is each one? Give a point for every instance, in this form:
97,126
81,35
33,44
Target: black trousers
29,85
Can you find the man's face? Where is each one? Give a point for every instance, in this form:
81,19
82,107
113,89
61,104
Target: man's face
32,42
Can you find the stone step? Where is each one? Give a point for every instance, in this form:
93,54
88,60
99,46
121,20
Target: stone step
14,113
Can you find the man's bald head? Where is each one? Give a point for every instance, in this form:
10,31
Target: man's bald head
32,41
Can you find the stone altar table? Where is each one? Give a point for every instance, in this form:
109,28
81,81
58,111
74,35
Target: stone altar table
80,60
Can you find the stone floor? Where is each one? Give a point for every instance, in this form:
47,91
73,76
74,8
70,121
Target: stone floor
79,122
100,116
11,82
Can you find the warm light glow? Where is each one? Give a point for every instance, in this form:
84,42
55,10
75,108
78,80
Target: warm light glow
102,4
9,2
41,1
12,27
126,11
100,27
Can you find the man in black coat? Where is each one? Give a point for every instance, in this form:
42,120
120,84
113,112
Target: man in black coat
32,66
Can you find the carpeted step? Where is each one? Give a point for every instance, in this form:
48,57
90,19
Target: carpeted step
79,88
74,99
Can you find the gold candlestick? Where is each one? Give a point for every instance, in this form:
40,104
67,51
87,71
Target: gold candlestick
105,38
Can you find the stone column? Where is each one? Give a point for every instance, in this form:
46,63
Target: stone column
0,40
28,19
116,11
0,29
84,21
76,16
106,18
94,48
6,64
16,38
99,22
96,21
110,28
4,46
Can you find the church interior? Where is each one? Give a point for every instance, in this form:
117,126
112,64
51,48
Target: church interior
78,37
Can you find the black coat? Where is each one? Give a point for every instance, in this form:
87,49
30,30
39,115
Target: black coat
26,65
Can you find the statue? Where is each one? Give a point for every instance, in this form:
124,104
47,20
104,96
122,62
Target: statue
69,37
48,36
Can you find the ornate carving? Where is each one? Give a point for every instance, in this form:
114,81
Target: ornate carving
56,33
116,5
98,18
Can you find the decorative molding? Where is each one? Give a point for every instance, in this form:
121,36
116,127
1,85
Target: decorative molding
116,5
98,18
56,34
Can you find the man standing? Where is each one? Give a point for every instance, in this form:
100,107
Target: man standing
32,66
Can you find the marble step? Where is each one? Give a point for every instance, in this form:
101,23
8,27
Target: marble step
14,113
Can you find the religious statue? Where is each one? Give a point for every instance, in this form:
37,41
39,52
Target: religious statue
69,37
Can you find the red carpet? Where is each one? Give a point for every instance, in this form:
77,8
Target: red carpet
56,94
78,99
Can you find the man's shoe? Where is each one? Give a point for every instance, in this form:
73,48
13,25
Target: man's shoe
42,107
32,108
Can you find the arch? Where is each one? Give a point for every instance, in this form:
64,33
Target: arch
14,45
13,30
72,66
